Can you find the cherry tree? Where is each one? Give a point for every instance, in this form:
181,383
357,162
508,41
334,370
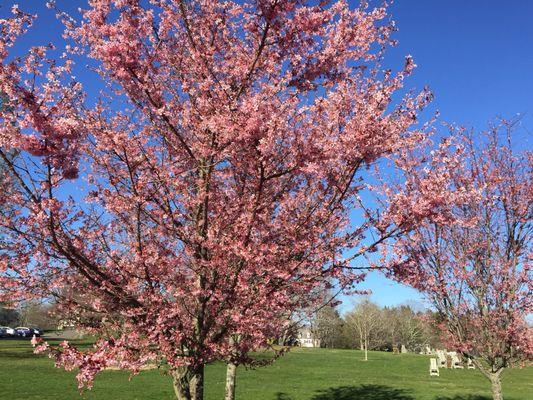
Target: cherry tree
476,271
207,192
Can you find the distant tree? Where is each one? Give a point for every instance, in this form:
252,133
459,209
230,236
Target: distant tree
477,270
289,336
433,324
403,326
327,327
365,319
349,338
8,315
37,314
389,327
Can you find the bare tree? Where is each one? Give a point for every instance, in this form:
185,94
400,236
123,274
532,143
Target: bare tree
365,320
37,314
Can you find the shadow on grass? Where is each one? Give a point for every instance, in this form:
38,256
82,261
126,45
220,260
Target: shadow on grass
363,392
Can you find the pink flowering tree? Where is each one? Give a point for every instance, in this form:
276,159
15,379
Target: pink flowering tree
207,193
476,271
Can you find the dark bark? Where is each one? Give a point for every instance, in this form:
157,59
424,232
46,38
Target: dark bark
197,383
181,381
189,382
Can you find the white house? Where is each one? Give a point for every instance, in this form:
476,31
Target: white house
307,339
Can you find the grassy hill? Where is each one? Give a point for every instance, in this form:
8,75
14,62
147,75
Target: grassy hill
303,374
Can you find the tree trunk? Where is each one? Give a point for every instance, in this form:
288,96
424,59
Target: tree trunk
231,375
366,349
493,377
197,383
189,383
181,381
496,384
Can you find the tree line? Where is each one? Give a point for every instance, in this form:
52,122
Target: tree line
367,326
31,314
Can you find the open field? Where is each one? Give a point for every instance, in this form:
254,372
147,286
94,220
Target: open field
303,374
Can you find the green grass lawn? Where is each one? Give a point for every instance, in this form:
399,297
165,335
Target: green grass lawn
303,374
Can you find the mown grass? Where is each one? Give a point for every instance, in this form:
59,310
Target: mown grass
303,374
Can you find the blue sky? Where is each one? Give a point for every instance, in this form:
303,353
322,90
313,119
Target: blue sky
476,56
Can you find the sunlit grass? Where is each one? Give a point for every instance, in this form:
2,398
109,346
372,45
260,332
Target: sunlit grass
303,374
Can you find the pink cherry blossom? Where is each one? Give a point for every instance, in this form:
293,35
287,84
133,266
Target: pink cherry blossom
473,262
220,168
